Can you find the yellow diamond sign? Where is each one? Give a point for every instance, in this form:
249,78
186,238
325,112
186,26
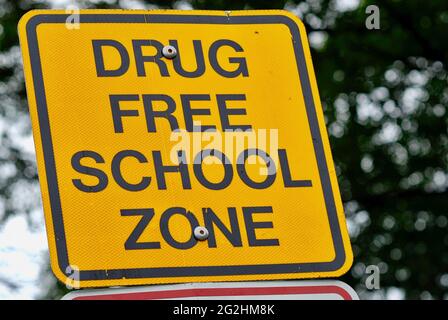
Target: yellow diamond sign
181,147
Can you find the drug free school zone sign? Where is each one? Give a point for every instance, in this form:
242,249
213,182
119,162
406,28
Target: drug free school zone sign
181,147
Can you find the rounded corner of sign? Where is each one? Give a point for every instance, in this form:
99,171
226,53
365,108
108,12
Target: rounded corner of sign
61,274
29,19
72,295
343,265
347,288
291,19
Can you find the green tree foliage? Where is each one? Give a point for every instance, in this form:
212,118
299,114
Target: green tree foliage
385,96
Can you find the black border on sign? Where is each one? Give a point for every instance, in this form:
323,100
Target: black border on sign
136,273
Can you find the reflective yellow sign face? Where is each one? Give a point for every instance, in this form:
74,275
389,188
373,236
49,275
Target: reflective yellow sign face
181,147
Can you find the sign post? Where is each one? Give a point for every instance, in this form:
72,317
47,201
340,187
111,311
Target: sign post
181,147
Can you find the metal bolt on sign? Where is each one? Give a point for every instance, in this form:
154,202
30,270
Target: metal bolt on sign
169,52
201,233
